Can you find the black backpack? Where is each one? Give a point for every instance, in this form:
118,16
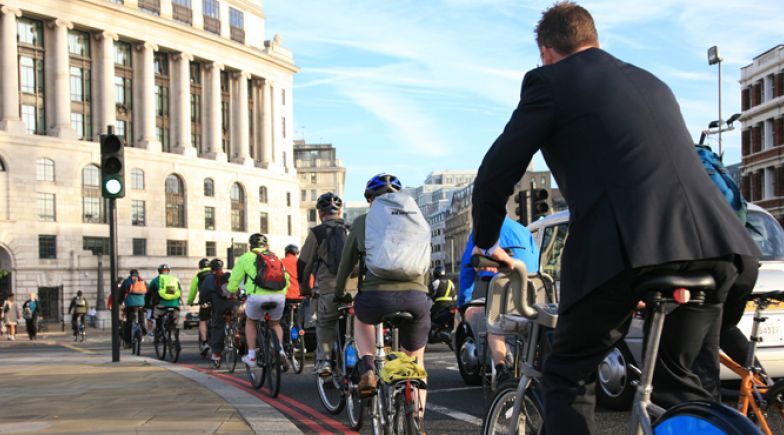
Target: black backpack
331,243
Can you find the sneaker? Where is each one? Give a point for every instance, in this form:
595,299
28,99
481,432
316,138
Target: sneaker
367,383
284,361
250,362
324,369
13,338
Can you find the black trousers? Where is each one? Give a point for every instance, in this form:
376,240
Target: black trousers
218,322
32,326
129,321
591,327
76,318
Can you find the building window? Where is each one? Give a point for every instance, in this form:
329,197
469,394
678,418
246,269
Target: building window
137,179
313,179
237,196
238,249
177,248
225,111
139,247
182,12
210,249
31,74
80,65
237,25
312,215
162,80
44,170
211,10
47,247
46,207
97,245
283,126
313,196
288,199
209,218
304,195
282,97
288,225
264,223
196,97
137,213
150,6
263,194
209,187
92,201
175,202
123,90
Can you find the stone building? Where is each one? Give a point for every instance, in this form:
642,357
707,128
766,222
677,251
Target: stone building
204,105
320,172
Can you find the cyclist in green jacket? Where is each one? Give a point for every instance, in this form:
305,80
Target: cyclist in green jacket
244,271
204,312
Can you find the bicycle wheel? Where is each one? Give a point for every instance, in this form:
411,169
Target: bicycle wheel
405,420
136,339
775,407
330,389
256,374
297,352
498,418
170,351
160,344
273,365
355,403
377,412
230,351
705,418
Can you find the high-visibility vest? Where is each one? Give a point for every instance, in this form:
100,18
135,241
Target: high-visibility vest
169,287
447,296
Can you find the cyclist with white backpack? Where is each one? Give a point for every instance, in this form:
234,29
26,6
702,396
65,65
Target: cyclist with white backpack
320,257
392,244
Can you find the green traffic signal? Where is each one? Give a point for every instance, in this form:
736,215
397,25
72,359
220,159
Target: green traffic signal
112,167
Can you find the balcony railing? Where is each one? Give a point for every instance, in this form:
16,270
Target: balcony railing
212,24
237,34
182,13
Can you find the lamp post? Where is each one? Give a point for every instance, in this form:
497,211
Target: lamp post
715,58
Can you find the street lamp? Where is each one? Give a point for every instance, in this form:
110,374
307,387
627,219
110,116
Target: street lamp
715,58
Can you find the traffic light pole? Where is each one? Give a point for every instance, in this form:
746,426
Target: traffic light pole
113,282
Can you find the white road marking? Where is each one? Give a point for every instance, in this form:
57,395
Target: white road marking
457,415
449,390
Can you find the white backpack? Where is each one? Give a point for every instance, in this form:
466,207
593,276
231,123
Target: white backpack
397,238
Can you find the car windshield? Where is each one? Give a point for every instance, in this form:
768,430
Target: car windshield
767,234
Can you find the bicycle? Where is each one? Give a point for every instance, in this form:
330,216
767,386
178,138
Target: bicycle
231,342
663,292
269,364
394,407
80,329
339,390
294,336
759,398
167,336
204,349
136,332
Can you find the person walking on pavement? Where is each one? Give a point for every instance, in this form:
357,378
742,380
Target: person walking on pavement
31,311
212,291
204,312
11,315
78,309
133,291
639,200
320,257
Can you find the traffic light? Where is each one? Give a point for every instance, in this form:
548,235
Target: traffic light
539,206
522,209
112,167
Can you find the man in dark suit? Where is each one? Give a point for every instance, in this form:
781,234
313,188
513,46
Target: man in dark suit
639,200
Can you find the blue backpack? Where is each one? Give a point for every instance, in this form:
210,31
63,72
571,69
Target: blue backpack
721,178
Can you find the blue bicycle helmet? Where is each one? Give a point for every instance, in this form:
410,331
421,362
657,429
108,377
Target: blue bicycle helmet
381,184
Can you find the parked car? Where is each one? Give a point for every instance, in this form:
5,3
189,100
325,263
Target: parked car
616,373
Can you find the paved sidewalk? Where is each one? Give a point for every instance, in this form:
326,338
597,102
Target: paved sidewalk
51,388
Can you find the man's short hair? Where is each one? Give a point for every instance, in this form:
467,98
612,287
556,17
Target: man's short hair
565,27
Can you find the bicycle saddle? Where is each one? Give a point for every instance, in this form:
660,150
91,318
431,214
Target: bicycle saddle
668,281
398,317
269,305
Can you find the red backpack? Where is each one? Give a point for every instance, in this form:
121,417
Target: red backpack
270,274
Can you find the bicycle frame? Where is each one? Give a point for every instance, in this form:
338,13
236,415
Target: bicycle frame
643,408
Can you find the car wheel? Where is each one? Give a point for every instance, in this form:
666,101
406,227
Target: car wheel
614,379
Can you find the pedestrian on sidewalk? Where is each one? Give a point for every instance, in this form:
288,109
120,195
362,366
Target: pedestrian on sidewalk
11,315
78,309
31,311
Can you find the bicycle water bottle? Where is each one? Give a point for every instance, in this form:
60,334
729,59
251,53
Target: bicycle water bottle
351,356
294,333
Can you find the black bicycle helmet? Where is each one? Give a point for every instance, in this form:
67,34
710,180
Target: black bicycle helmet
216,264
135,272
329,203
439,272
163,267
257,240
204,262
292,249
381,184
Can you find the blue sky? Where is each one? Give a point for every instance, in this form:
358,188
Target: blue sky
412,86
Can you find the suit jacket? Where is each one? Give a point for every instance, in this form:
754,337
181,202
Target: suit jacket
616,143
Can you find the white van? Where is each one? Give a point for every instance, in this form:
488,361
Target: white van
619,368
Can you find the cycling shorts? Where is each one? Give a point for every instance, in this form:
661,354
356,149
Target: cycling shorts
371,306
253,306
205,314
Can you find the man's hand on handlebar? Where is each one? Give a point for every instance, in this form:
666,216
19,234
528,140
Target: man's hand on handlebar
498,255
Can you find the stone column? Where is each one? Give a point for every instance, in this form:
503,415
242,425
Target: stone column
144,108
9,71
240,132
213,112
61,124
256,121
181,109
266,124
106,112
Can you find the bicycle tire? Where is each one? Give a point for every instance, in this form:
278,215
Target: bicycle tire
298,354
376,412
355,407
230,351
496,421
256,375
330,388
160,345
775,407
404,421
136,340
703,418
273,365
170,348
